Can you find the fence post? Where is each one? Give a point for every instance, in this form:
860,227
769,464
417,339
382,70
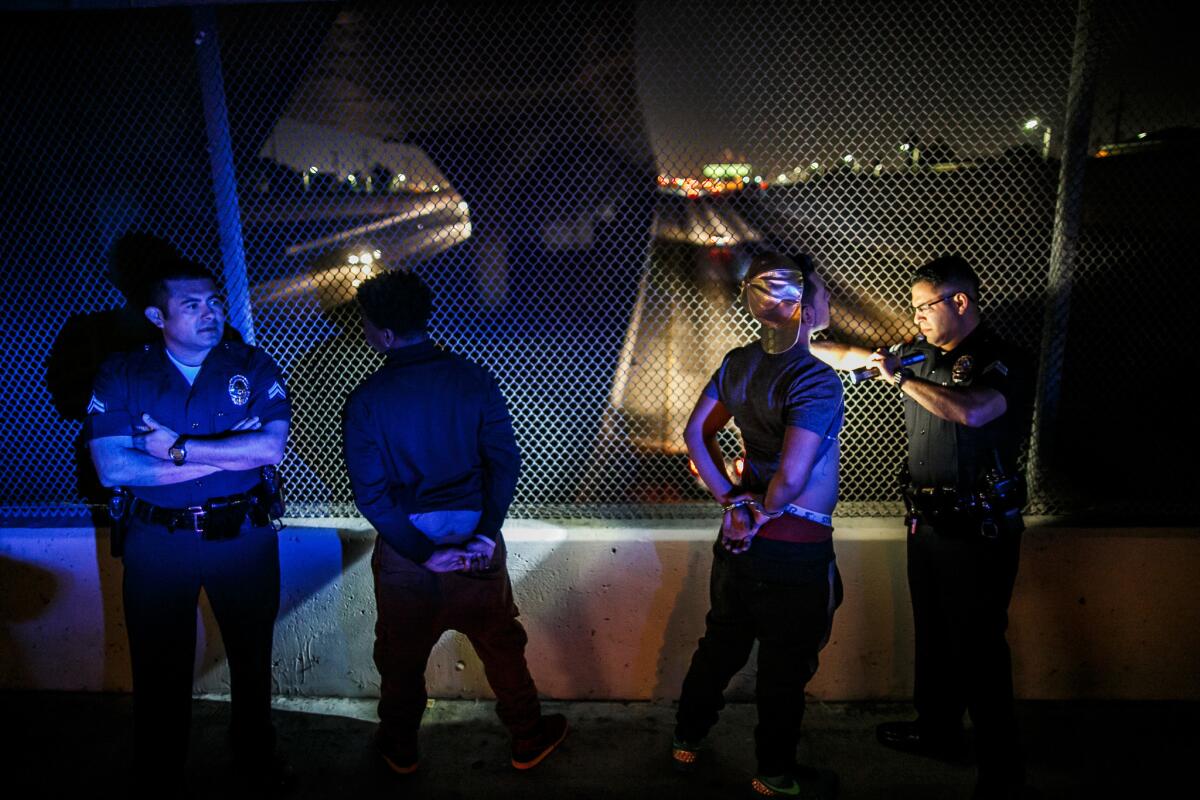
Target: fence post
1068,220
220,151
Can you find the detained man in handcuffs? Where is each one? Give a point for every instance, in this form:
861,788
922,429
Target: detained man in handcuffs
774,576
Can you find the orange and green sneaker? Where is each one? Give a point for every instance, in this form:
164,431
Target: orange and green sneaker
805,783
684,755
775,786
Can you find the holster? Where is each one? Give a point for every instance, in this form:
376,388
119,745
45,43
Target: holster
118,514
268,507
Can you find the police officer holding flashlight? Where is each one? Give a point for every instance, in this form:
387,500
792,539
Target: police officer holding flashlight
966,410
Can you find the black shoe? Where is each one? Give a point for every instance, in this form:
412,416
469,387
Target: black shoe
401,758
528,753
998,790
912,737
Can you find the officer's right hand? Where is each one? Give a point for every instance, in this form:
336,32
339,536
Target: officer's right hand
886,363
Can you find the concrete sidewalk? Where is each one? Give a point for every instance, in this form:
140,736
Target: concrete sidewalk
65,744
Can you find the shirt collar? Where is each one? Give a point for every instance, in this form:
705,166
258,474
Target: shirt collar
973,338
410,353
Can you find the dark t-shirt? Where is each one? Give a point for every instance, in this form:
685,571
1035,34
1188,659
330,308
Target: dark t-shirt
945,454
768,394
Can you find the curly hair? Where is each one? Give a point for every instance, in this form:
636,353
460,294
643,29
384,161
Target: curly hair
397,300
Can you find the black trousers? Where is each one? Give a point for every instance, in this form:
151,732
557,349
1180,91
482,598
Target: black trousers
961,585
786,603
415,608
164,572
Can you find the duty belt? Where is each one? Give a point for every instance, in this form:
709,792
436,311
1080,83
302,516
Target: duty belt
947,509
196,518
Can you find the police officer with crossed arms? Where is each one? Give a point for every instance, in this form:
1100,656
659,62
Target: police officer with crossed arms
185,426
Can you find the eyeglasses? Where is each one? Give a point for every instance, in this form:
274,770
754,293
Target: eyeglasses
924,307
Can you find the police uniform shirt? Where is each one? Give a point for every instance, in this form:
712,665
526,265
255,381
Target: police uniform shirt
767,394
945,454
235,382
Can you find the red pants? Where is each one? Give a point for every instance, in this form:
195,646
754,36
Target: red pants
415,608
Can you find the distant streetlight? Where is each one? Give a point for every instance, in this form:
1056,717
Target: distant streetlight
1032,125
847,158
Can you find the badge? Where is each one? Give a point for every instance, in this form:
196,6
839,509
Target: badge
239,390
961,371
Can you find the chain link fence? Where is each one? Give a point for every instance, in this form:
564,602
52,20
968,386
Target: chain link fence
577,182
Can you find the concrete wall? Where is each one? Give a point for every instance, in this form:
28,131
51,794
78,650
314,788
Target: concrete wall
613,611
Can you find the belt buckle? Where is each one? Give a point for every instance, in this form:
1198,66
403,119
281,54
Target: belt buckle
198,514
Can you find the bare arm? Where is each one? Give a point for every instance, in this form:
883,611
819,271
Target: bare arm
844,357
970,406
800,449
119,463
708,417
245,450
244,447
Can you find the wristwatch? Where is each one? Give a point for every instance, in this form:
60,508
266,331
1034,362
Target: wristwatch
178,452
901,375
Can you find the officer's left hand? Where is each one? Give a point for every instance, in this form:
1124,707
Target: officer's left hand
154,438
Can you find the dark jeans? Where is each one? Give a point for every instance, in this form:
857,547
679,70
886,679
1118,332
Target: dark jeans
961,584
164,572
415,608
784,595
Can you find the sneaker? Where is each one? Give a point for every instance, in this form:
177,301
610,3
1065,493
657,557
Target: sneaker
684,755
401,759
803,782
528,753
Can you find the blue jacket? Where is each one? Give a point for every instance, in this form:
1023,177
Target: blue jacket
426,415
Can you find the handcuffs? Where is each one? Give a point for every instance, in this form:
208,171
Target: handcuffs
755,508
754,504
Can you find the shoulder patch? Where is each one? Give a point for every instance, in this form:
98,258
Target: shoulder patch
998,366
95,405
276,391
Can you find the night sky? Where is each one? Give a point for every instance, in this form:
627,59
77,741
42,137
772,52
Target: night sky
830,78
